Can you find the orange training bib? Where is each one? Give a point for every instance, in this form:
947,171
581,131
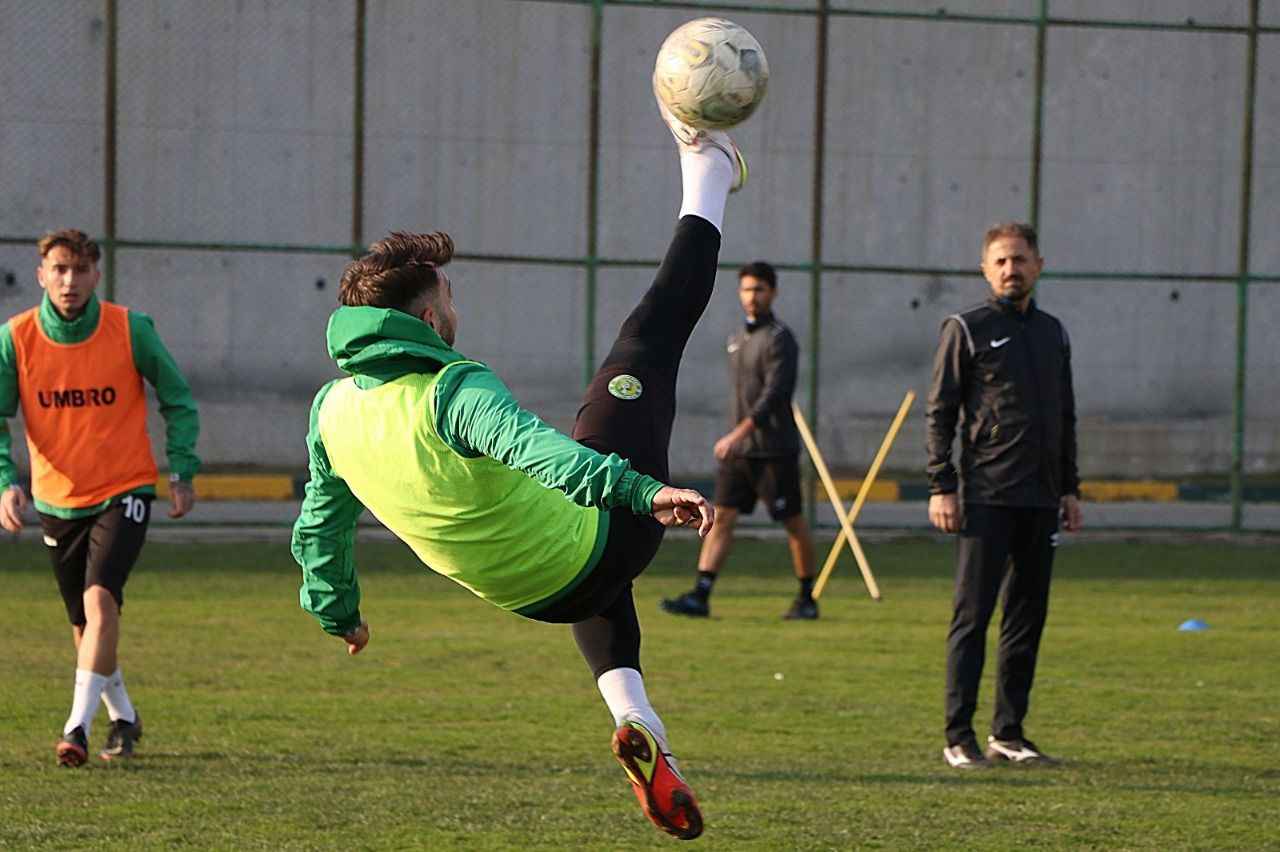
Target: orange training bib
85,411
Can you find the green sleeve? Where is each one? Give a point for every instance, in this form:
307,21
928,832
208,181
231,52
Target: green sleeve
8,405
477,415
324,539
182,422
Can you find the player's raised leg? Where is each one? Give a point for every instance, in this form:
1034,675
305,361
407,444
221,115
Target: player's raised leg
629,409
630,404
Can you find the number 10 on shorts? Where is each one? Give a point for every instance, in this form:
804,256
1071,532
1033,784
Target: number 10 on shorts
135,509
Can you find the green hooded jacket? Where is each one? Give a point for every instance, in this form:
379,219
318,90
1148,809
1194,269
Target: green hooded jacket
438,449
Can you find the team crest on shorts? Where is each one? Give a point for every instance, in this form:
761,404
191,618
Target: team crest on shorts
625,387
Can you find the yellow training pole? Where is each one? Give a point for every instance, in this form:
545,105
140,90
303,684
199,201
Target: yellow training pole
836,503
885,446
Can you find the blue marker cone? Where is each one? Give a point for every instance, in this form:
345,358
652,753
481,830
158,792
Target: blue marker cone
1193,625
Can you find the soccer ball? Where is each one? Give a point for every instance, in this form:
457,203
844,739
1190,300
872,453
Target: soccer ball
711,73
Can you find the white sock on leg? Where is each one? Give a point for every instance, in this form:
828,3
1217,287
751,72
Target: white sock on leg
623,692
116,697
84,706
706,175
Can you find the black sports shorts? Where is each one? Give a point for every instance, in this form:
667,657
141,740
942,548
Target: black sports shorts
776,481
99,550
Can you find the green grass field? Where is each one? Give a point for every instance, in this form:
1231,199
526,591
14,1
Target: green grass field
464,727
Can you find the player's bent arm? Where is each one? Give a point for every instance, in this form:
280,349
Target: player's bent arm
8,405
1070,471
781,368
476,415
324,540
177,406
942,410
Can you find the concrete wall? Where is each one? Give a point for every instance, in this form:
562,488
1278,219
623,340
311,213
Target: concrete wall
236,125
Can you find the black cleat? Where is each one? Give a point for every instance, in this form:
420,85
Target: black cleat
1020,752
690,603
120,739
73,748
802,610
965,755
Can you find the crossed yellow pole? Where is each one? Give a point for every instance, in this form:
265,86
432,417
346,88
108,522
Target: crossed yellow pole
847,519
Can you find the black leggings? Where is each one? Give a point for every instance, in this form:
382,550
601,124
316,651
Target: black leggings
648,349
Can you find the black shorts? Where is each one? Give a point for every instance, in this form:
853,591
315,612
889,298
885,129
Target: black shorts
776,481
632,543
99,550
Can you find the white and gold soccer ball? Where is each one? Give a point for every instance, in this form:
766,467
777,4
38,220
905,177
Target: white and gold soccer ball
711,73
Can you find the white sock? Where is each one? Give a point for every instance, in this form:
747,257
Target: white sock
88,696
706,175
623,692
116,697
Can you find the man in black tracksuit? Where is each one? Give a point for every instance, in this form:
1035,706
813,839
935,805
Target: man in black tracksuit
1002,373
760,456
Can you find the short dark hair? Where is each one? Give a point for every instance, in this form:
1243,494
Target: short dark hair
396,271
74,241
760,270
1011,229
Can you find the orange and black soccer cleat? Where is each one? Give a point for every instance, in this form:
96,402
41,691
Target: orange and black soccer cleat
73,748
666,800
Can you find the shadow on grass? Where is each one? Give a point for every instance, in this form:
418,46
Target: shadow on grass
926,559
1150,775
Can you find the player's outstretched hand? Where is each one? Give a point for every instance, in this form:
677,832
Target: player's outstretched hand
12,502
357,639
683,507
182,497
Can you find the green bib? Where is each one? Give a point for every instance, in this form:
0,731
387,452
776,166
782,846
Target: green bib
482,524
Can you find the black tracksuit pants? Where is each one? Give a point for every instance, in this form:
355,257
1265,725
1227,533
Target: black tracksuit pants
1013,547
648,349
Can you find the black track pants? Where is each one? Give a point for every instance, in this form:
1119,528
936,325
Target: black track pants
1014,547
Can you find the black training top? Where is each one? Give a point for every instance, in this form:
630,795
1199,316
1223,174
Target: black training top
763,360
1010,374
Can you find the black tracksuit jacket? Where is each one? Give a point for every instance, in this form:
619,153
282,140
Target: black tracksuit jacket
1009,374
764,359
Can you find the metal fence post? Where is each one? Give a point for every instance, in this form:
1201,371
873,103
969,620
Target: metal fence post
357,133
1242,284
1037,127
815,276
109,155
593,196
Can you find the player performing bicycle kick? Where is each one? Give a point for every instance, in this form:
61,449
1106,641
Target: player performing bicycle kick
549,527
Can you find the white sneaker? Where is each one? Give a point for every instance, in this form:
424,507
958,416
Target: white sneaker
965,756
695,140
1016,751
